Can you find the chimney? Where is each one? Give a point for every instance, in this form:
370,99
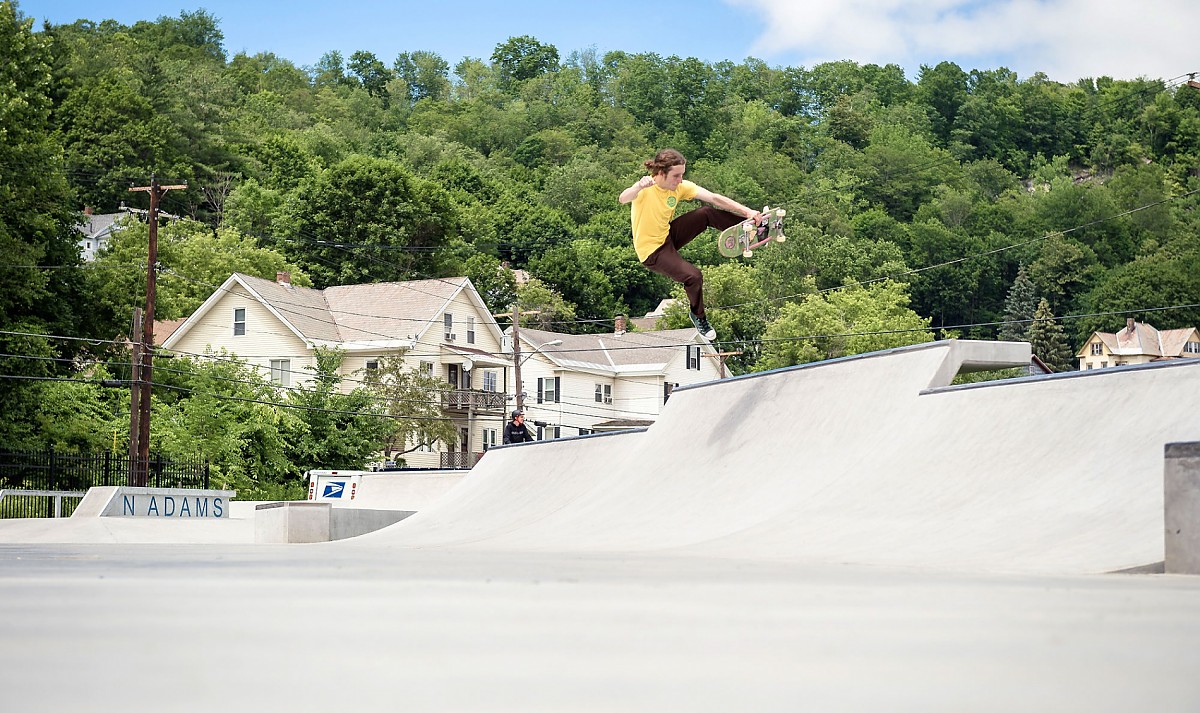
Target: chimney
1129,324
619,326
284,278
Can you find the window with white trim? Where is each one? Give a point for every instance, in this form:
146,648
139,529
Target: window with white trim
448,321
489,438
604,393
1097,348
281,372
470,330
490,381
693,357
549,390
1191,348
239,322
668,387
427,368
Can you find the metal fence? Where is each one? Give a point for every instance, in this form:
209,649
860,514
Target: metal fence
38,503
54,470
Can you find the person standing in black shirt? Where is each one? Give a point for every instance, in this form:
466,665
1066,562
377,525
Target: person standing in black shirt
515,431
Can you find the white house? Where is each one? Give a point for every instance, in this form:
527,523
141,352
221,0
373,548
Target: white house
578,384
443,324
96,231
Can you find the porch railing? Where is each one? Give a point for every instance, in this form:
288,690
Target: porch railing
466,399
459,459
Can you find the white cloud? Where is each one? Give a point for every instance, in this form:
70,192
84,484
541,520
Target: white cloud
1066,39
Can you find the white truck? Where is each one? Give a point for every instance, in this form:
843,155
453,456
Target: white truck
334,485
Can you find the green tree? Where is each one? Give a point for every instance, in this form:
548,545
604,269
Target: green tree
372,74
943,90
494,282
853,320
331,429
216,407
412,401
43,290
369,220
195,260
518,59
548,308
1049,340
1019,309
82,414
426,75
1165,278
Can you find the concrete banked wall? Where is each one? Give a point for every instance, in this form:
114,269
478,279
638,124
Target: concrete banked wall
869,459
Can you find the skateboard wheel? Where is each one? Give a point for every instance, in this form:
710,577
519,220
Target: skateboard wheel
747,253
747,227
782,212
781,239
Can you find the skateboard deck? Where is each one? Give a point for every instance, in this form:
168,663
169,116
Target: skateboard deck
743,238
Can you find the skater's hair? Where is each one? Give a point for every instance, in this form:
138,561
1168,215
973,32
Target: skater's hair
664,161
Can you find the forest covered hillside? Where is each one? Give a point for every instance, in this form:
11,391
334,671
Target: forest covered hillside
914,202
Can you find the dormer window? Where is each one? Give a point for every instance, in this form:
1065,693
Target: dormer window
1097,348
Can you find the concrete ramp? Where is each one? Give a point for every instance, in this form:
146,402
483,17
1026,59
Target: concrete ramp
869,459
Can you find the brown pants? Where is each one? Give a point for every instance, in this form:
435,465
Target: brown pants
684,229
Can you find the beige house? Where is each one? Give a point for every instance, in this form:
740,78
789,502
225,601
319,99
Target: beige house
577,384
1138,343
443,324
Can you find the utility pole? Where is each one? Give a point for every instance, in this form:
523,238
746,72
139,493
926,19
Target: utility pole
516,337
516,340
720,356
144,377
135,393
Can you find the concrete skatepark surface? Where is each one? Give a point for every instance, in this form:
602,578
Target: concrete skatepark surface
846,536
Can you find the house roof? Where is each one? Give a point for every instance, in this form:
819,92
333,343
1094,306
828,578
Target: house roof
164,328
96,226
1141,339
373,315
631,351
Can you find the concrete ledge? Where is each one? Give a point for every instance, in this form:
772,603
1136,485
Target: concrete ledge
292,522
302,521
1181,503
352,522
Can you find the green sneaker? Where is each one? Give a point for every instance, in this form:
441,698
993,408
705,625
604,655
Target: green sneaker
703,327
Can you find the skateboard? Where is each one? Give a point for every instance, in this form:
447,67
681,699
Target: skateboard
743,238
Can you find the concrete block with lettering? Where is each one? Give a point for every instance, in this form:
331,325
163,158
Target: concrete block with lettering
1181,502
166,503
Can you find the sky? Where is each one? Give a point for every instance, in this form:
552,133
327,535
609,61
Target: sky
1064,39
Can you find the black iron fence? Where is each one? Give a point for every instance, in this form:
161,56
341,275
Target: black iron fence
54,469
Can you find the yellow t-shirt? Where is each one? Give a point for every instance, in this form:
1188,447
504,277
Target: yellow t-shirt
651,214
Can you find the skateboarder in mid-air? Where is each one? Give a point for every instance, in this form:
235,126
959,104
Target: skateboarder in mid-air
658,235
